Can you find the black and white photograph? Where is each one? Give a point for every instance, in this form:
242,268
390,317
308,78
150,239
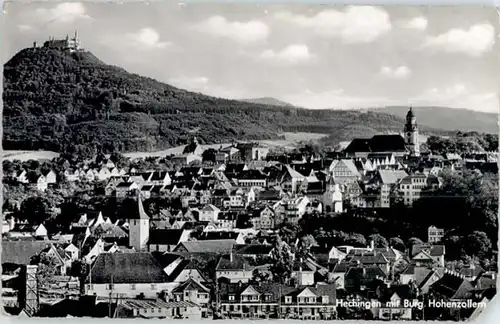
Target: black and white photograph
197,161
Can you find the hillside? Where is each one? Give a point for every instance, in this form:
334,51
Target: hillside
268,101
54,100
450,118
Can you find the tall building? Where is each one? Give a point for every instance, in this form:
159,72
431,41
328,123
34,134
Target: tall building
411,134
139,228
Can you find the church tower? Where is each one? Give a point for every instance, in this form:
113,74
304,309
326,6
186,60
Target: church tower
411,134
139,228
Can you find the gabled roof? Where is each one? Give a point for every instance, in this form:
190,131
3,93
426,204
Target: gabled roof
190,284
433,250
126,268
391,176
236,263
208,246
165,236
21,252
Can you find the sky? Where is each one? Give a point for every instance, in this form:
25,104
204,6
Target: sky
313,56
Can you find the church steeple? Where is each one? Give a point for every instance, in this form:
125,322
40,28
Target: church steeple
411,133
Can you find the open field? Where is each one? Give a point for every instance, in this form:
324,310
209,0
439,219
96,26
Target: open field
29,155
290,141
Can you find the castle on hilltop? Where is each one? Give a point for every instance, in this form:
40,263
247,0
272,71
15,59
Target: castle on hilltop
66,44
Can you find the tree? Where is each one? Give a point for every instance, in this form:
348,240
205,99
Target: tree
209,155
46,268
282,262
397,243
36,210
356,239
477,244
378,240
260,276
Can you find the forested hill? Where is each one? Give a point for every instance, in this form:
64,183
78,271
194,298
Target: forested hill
54,99
450,118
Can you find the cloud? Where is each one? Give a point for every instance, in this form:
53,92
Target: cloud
354,25
292,54
146,38
24,28
453,96
417,23
458,96
243,32
401,72
66,12
475,41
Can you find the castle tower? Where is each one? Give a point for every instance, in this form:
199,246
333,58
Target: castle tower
411,134
139,228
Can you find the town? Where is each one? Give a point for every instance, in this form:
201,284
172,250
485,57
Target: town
381,228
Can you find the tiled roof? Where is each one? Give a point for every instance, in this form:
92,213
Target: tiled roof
391,176
126,268
218,235
236,263
255,249
190,285
208,246
165,236
21,252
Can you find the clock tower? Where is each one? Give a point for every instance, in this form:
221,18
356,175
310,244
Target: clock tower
411,134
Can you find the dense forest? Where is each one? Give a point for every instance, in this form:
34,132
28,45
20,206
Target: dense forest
54,100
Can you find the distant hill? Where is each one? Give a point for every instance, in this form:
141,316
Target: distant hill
268,101
54,100
449,118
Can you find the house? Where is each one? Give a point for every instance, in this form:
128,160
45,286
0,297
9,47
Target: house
394,302
125,189
50,177
22,177
165,240
209,213
37,181
410,187
252,178
213,246
271,300
237,237
344,171
332,198
126,275
157,309
234,268
18,253
391,143
37,231
291,180
255,250
60,260
194,292
263,218
434,234
426,253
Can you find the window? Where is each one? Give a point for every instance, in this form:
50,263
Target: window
110,286
132,286
231,297
288,299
